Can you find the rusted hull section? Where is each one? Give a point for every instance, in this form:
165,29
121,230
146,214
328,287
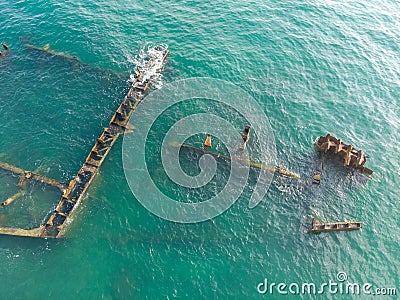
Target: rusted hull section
348,155
337,226
118,125
74,192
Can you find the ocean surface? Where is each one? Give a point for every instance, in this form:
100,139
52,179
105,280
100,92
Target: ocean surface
313,67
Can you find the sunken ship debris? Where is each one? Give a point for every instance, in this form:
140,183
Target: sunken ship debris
74,192
347,154
317,227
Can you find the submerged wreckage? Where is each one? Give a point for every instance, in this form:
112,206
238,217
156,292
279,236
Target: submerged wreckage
73,193
242,160
317,227
349,156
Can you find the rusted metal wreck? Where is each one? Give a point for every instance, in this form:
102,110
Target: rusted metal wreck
336,226
73,192
347,154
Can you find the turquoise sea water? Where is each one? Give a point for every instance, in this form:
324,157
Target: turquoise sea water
314,67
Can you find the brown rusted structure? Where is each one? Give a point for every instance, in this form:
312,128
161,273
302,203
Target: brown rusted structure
349,156
245,137
336,226
25,175
73,193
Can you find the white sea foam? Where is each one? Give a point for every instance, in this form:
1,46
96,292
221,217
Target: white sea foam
149,62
